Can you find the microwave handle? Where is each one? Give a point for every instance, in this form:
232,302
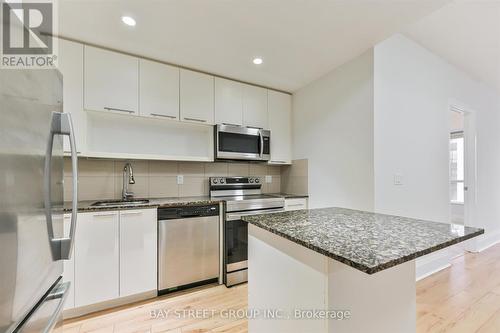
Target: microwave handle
261,143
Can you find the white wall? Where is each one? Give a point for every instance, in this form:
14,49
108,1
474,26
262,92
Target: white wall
333,129
413,90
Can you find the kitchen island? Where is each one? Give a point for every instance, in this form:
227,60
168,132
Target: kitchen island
339,270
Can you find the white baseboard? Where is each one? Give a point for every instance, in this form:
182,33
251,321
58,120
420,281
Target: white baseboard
485,241
432,263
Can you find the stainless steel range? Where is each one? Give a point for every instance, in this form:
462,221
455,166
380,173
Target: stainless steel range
243,197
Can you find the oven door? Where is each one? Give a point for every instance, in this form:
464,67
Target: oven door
242,143
236,238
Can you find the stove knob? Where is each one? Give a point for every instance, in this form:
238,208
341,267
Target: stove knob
251,180
257,180
222,181
214,181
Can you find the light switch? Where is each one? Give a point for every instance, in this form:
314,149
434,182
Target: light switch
398,179
180,179
269,179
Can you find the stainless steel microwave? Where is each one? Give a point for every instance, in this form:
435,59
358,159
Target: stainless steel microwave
242,143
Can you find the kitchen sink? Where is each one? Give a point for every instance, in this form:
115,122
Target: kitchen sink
115,203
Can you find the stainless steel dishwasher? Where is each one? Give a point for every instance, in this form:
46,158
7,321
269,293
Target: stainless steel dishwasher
188,246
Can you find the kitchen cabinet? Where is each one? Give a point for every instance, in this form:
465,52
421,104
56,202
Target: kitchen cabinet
280,124
96,257
69,268
255,106
138,241
158,89
111,81
228,102
70,63
196,97
295,204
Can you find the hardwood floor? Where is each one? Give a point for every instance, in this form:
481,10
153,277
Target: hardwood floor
463,298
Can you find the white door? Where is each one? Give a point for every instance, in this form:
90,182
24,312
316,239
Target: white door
196,97
280,124
111,81
228,102
138,240
70,63
69,268
255,106
96,258
158,89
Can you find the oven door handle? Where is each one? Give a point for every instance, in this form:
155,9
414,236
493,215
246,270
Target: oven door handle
239,215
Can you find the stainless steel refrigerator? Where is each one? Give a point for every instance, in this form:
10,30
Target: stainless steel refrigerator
32,243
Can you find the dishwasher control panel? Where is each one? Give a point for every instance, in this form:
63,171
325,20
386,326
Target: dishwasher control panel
170,213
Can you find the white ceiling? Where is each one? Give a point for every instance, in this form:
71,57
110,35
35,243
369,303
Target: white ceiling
467,34
299,40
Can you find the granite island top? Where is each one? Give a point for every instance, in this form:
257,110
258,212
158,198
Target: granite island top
366,241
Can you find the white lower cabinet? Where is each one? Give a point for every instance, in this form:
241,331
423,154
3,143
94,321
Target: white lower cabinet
138,240
96,257
69,268
114,256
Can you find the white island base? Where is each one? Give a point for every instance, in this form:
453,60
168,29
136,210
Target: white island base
286,276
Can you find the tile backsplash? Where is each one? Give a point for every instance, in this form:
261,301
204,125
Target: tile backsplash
294,178
100,179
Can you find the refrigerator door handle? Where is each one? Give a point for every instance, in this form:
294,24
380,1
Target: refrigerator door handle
61,124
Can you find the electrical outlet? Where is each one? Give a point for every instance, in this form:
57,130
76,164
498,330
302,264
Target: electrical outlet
269,179
180,179
398,179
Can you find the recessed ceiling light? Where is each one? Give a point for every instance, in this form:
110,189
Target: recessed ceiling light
257,61
128,20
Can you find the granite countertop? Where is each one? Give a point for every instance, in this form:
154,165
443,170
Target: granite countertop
86,205
366,241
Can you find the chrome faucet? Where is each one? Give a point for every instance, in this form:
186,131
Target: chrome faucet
128,178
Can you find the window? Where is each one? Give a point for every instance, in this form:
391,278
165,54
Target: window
457,167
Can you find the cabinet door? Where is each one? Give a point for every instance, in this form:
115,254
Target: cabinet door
228,102
70,63
158,89
111,81
96,258
197,97
69,268
254,106
138,239
280,124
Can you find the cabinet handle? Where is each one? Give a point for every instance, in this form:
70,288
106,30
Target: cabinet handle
273,161
115,109
105,214
296,205
131,213
163,115
194,119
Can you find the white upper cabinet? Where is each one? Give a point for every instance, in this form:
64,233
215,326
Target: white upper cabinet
96,258
70,63
138,239
111,81
228,102
255,106
197,97
280,124
158,89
